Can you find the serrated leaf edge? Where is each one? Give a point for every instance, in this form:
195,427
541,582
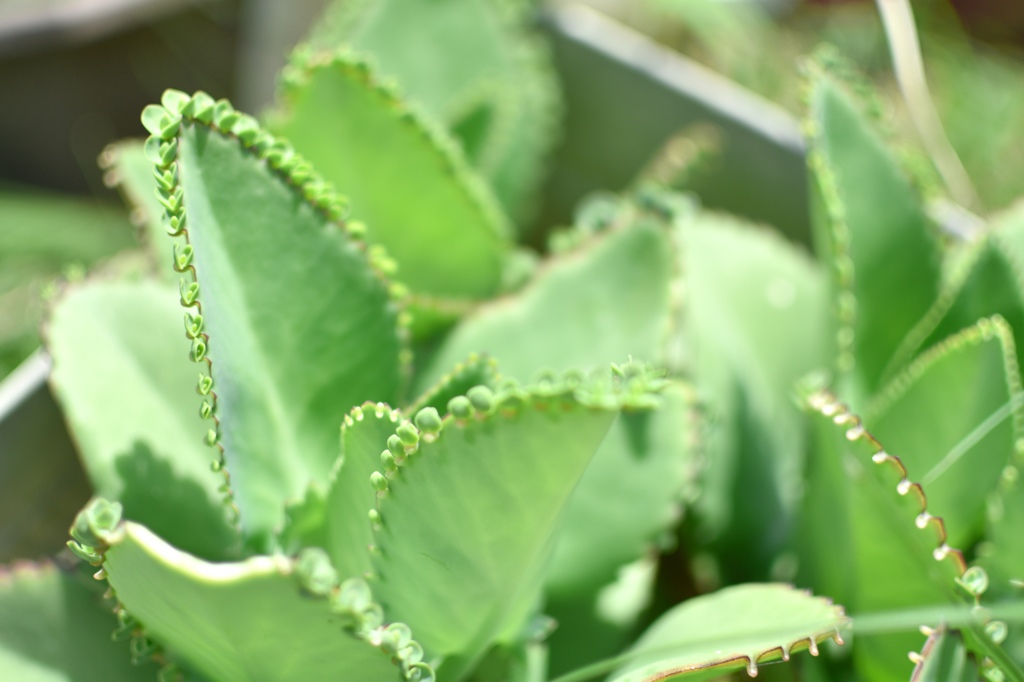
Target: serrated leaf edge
985,329
825,403
220,116
553,391
144,648
304,61
475,359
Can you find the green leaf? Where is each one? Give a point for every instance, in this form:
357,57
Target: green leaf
875,235
405,179
944,659
502,477
54,627
364,436
985,279
477,370
925,414
753,323
493,85
242,621
736,627
628,500
879,522
605,301
123,378
298,323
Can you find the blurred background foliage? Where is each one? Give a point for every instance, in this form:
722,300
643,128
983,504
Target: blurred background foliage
75,74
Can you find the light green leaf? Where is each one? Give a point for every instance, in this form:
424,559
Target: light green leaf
405,179
627,501
477,370
874,233
944,659
364,436
897,549
238,622
502,477
925,414
736,627
603,302
298,323
54,627
493,85
753,324
127,388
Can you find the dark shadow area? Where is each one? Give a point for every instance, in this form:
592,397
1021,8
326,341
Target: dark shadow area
176,509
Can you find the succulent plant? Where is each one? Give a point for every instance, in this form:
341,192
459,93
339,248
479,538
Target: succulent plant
339,426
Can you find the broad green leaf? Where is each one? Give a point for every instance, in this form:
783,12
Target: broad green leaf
126,166
405,179
364,436
925,414
599,304
876,237
56,628
736,627
629,498
238,621
607,300
753,323
298,323
502,477
127,388
944,659
477,370
493,85
899,554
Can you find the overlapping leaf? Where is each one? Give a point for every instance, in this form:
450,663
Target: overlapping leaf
753,323
925,414
297,325
736,627
127,388
500,471
405,179
54,627
492,85
872,231
239,621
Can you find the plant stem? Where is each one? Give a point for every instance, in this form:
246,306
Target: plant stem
898,19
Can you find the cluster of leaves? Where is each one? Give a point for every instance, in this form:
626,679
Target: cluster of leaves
352,265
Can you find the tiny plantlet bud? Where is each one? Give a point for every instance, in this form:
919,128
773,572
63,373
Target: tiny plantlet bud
94,524
374,517
997,631
395,446
974,580
388,461
407,433
460,407
352,597
481,397
314,570
428,420
378,482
